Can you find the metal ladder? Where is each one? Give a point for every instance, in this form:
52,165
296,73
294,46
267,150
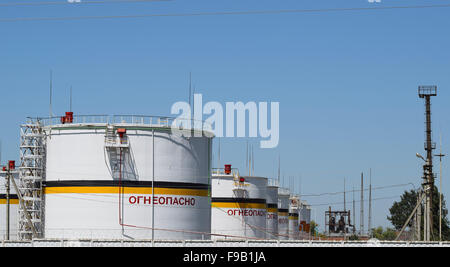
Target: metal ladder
110,136
112,140
31,175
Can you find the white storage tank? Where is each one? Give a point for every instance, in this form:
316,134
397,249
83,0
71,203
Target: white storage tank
308,218
294,232
305,217
100,173
302,217
283,213
272,212
238,206
13,207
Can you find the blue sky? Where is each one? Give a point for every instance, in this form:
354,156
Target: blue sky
346,81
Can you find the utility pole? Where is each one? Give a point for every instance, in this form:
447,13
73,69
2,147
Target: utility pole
362,206
440,155
354,212
419,216
370,203
410,216
427,92
345,209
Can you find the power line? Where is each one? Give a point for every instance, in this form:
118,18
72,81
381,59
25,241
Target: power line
82,2
366,189
339,203
260,12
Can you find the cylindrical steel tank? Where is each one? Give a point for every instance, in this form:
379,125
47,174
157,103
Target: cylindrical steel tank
302,217
238,206
293,219
13,207
308,218
283,213
126,178
302,220
272,212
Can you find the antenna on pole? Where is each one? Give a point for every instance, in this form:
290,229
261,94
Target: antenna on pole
193,102
249,157
51,93
218,156
290,183
300,187
253,162
294,187
70,109
293,183
354,211
190,93
440,155
362,205
246,158
370,202
279,168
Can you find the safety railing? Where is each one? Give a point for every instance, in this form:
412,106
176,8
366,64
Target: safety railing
273,182
221,171
157,121
283,191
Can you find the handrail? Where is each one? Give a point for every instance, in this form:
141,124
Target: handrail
160,121
221,171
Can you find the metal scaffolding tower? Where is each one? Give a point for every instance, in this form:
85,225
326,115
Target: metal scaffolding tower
31,175
427,92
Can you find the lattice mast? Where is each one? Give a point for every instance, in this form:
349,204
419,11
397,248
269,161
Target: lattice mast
427,92
31,176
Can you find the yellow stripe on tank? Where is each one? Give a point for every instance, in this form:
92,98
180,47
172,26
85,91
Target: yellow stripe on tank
235,205
274,210
124,190
11,201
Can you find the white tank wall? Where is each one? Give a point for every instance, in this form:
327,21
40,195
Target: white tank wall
302,213
308,215
294,232
283,215
92,209
13,209
305,217
239,213
272,212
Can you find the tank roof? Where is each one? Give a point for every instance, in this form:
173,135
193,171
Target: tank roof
126,121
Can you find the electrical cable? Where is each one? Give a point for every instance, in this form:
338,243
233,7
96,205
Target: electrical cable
81,2
336,203
256,12
350,191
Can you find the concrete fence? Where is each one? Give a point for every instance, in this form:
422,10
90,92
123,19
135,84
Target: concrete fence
215,243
